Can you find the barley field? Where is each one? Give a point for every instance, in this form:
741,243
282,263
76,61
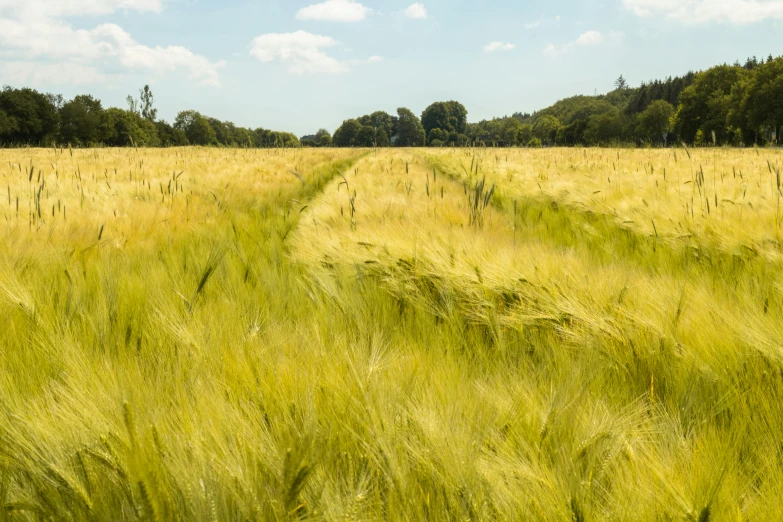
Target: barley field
391,334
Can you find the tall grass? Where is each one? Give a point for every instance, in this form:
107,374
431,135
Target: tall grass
205,336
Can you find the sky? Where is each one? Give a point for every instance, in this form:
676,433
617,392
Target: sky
301,65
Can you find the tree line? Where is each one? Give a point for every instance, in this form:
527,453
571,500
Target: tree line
28,117
737,104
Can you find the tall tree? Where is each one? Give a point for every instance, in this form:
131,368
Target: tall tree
346,134
765,97
436,116
451,117
222,130
603,129
81,121
196,128
380,120
323,138
6,126
410,132
545,128
365,137
655,122
705,105
147,99
169,136
31,117
121,128
133,105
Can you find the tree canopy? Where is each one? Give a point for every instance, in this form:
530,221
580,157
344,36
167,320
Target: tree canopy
410,132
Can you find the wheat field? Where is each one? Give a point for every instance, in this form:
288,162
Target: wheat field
391,334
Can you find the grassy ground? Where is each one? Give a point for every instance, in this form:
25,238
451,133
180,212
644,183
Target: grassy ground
203,334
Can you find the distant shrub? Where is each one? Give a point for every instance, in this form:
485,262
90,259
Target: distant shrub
534,143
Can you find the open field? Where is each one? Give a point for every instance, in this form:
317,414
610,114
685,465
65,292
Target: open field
443,334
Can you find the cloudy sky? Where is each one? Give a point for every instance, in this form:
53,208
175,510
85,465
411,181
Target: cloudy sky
299,64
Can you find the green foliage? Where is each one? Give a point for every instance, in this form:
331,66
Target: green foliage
576,108
365,137
30,117
196,127
655,122
737,104
437,134
323,138
572,134
603,129
502,132
370,130
449,117
147,100
6,126
347,133
764,99
81,121
525,134
123,128
511,132
263,138
704,106
147,134
382,121
381,138
170,136
545,129
223,133
242,137
410,130
669,90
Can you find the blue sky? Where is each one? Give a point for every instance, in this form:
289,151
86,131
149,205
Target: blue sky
299,65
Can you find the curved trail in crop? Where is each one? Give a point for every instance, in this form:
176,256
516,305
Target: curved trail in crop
512,274
577,224
677,341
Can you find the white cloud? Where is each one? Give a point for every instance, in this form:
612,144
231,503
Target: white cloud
416,12
587,39
739,12
368,61
590,38
107,44
302,51
64,8
551,50
334,11
498,46
35,39
533,25
36,74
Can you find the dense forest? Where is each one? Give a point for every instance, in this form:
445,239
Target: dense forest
736,105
